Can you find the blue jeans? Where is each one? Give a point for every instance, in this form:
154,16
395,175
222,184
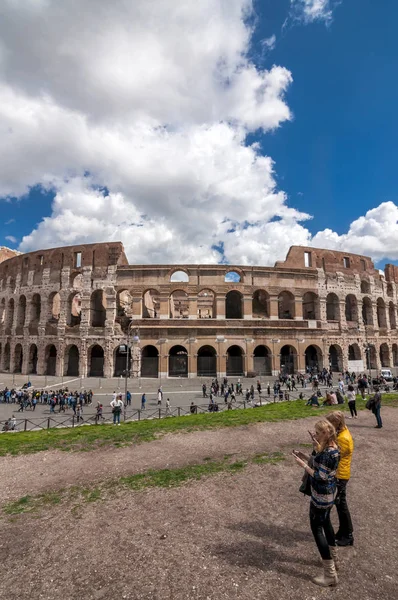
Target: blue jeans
378,417
116,417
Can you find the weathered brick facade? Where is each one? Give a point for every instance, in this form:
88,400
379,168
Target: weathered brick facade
67,311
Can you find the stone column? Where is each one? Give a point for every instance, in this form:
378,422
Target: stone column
343,320
193,306
375,319
273,308
136,305
322,310
247,306
298,303
164,309
220,303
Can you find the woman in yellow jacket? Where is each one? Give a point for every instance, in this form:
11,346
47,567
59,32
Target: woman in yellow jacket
344,536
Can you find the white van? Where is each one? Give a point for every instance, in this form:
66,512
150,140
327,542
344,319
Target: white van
386,374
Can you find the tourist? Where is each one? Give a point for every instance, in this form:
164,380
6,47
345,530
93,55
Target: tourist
323,491
128,398
143,401
117,406
168,409
313,401
351,399
99,415
344,535
193,408
376,406
204,388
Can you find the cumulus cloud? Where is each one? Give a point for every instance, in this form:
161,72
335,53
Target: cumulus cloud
309,11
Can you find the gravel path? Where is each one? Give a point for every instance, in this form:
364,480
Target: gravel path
229,536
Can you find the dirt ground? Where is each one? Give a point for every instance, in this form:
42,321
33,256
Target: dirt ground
244,535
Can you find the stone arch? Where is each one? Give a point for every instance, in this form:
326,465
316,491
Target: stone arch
151,304
313,358
178,361
179,305
32,361
74,309
351,309
260,305
21,314
262,360
7,356
235,360
385,355
288,360
124,302
10,316
18,358
381,313
51,359
336,358
392,314
122,361
367,311
207,308
233,305
97,309
76,281
365,287
96,359
371,355
286,305
233,276
332,307
54,307
71,361
311,308
2,311
395,355
207,362
150,362
179,276
354,352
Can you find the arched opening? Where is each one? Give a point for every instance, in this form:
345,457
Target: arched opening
232,277
395,355
392,315
384,355
178,362
311,306
288,360
35,310
336,358
332,308
151,305
150,362
365,287
21,315
354,352
286,308
33,357
367,311
124,302
77,281
97,309
262,359
9,316
207,362
74,315
179,277
351,309
72,361
233,305
206,305
54,307
51,360
96,361
7,356
2,311
235,361
18,358
381,313
122,361
313,358
179,305
260,305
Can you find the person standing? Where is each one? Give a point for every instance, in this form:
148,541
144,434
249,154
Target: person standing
323,491
117,406
128,398
351,399
143,401
168,409
344,535
376,406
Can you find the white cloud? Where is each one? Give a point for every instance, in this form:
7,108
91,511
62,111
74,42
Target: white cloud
11,238
269,43
309,11
9,222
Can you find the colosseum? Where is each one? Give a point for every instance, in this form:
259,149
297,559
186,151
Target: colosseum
84,311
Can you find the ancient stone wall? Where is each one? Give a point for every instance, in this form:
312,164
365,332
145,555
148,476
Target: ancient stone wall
83,311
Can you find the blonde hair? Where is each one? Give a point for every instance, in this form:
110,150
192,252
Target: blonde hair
326,427
337,419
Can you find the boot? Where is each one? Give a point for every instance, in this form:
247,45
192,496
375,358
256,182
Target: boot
329,575
335,557
346,541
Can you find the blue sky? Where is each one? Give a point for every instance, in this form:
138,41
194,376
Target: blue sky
333,155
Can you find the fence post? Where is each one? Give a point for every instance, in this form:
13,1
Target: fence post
244,403
261,402
139,414
73,421
48,422
160,413
26,422
179,411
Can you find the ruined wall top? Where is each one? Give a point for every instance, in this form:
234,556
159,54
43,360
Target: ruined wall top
6,253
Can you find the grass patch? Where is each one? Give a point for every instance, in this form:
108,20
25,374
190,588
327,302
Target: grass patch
89,438
77,496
